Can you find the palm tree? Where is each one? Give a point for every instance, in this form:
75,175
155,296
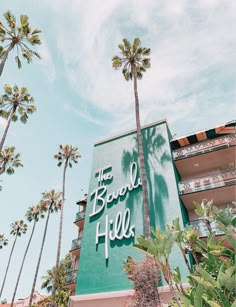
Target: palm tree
19,36
135,61
3,241
34,213
51,202
15,99
17,229
9,160
67,155
59,277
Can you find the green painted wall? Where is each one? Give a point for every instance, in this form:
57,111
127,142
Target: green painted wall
96,273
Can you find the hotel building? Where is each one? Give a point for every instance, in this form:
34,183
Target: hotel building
179,171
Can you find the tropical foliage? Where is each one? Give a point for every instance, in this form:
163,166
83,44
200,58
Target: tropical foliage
9,160
67,155
212,278
51,202
19,37
65,266
58,277
15,103
145,275
135,61
17,229
33,214
3,241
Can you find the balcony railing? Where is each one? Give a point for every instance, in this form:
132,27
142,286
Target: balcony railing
71,277
204,146
76,243
202,228
215,180
79,216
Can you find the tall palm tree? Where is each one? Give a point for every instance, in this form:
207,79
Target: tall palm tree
135,61
9,160
15,99
3,241
51,202
67,155
19,37
34,213
17,229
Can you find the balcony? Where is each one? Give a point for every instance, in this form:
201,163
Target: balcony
76,243
202,228
75,247
71,278
79,218
205,146
211,181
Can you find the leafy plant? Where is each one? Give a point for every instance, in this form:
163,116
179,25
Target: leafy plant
212,278
145,276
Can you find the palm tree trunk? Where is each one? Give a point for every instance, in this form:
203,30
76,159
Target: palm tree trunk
22,264
39,259
60,229
170,284
7,127
147,228
4,58
9,261
2,168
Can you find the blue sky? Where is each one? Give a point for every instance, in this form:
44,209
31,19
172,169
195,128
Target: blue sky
80,99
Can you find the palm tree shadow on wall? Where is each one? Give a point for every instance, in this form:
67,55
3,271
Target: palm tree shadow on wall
155,157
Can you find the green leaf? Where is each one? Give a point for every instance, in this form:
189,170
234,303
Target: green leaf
2,31
234,304
143,242
18,62
176,275
1,51
198,296
36,31
198,209
24,20
230,271
201,281
214,304
23,90
207,276
8,89
152,249
185,301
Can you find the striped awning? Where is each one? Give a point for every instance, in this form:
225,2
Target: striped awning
202,135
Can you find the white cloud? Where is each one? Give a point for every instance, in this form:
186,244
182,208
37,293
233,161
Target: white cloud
82,114
189,43
46,64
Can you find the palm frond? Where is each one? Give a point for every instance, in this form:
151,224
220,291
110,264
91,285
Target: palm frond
132,55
